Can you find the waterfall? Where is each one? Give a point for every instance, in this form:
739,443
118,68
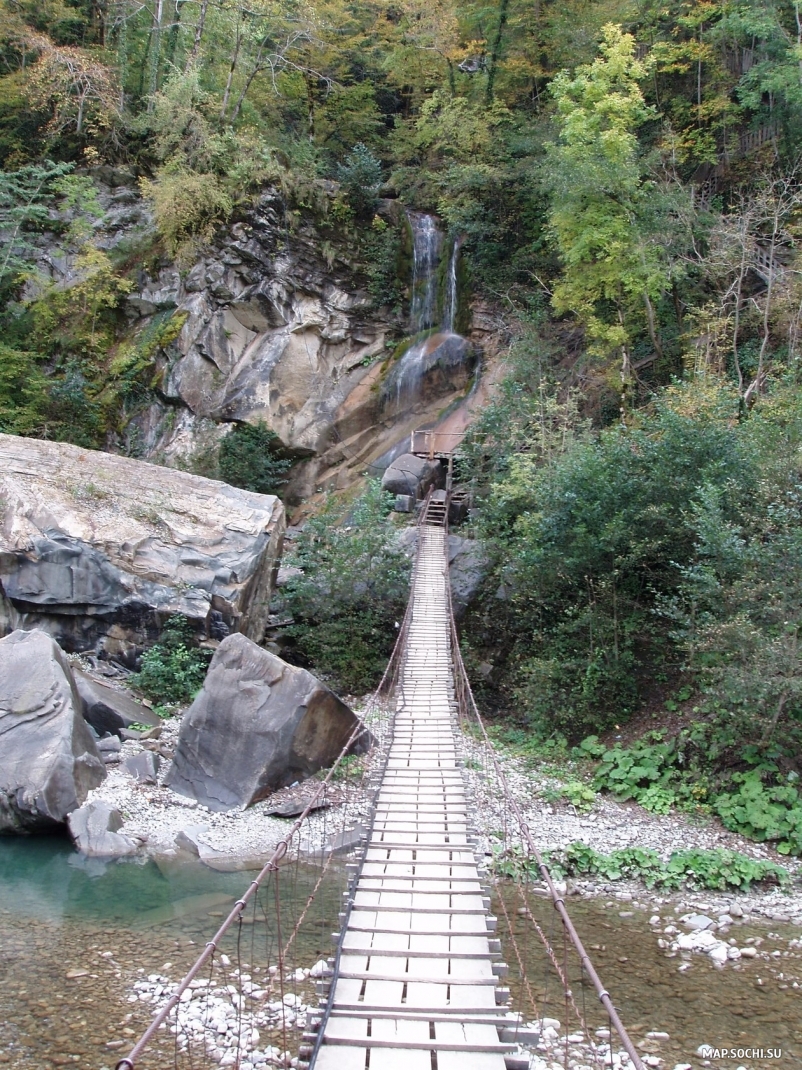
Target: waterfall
427,243
425,310
450,305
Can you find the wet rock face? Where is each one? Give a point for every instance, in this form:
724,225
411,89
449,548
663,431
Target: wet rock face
272,332
98,549
275,329
48,757
258,724
441,363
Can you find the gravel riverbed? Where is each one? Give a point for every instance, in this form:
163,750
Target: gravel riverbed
724,931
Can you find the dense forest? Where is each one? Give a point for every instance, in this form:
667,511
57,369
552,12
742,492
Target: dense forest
625,178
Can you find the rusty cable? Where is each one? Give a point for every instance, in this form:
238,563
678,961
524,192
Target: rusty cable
558,900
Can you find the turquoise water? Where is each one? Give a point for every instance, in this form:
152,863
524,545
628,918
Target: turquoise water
76,933
45,877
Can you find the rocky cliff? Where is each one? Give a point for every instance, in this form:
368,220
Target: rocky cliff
98,550
277,329
273,321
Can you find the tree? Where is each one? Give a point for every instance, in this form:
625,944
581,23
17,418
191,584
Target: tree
249,459
360,177
606,214
350,596
25,198
80,92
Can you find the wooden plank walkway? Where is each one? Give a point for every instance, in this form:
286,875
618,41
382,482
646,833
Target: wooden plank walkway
416,987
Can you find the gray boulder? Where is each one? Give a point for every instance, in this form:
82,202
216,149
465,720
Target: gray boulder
467,559
48,758
412,475
97,549
258,724
109,710
143,767
95,829
468,565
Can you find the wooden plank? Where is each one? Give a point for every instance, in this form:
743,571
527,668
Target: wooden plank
452,1060
422,1045
454,983
341,1058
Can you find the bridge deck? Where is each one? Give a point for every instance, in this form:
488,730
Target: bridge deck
416,974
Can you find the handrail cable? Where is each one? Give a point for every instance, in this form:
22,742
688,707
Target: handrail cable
279,852
466,701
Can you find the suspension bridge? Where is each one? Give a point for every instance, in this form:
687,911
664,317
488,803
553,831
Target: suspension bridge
417,980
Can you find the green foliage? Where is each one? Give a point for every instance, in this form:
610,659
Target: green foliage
248,458
759,802
351,597
588,539
716,870
172,671
380,245
23,392
25,199
764,812
600,203
360,177
658,774
187,206
576,792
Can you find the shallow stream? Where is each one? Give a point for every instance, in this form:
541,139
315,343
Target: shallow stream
751,1003
75,934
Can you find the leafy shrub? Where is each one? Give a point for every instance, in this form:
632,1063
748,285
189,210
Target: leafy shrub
578,794
380,246
352,592
249,459
173,670
714,870
187,206
23,396
761,812
758,803
646,772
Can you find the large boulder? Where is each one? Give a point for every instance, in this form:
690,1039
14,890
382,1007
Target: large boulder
95,829
48,757
468,564
412,475
109,710
98,549
258,724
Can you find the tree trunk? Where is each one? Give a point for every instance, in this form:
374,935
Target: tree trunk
232,67
193,55
257,66
175,26
156,57
496,49
651,321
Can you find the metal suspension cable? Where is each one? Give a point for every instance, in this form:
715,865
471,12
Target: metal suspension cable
279,852
466,701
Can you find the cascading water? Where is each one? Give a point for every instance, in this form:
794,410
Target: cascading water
450,306
427,246
427,242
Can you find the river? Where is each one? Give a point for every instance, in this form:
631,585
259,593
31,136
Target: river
75,934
